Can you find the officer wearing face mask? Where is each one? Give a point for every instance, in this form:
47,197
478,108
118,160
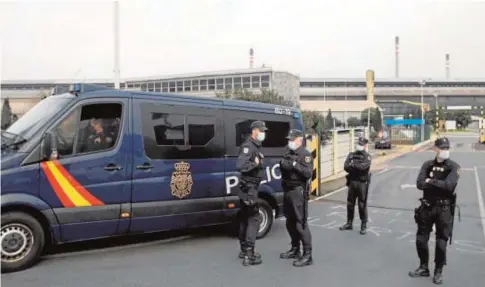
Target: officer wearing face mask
437,179
250,165
357,165
296,172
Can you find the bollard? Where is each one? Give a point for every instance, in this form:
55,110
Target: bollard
315,151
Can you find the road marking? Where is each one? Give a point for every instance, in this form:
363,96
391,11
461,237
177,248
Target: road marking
382,171
480,200
114,248
418,167
328,194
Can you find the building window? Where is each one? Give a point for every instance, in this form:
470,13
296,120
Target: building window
180,86
237,82
172,87
265,81
220,84
203,85
187,86
228,83
212,84
195,85
246,82
144,87
164,87
255,82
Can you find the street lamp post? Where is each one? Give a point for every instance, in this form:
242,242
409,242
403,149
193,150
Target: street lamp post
437,114
422,83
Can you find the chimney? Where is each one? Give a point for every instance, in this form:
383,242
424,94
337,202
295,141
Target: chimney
251,58
447,65
396,45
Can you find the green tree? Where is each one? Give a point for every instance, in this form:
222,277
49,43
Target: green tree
353,122
310,119
463,119
377,121
6,114
328,124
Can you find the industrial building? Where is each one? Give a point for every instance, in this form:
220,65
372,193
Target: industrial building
346,97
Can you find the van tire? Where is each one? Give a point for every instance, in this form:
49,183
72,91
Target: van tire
29,234
266,216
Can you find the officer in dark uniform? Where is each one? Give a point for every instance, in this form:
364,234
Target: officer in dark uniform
357,165
250,164
437,179
296,172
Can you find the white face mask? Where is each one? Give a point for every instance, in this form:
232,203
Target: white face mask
261,136
291,145
444,154
359,148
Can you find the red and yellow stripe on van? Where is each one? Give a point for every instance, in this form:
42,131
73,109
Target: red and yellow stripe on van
69,191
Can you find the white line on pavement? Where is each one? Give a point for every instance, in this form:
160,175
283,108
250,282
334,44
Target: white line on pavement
480,200
328,194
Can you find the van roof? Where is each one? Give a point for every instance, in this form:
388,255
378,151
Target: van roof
88,90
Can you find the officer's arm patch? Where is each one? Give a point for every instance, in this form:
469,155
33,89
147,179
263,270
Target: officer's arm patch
246,150
308,159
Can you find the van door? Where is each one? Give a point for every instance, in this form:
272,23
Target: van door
87,179
178,178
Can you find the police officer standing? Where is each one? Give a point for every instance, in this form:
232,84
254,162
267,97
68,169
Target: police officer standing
437,179
357,165
296,171
250,164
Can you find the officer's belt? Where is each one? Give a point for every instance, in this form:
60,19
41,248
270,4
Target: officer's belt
293,184
435,202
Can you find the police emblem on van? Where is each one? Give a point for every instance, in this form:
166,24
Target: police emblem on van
181,183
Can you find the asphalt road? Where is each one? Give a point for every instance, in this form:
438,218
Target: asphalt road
380,258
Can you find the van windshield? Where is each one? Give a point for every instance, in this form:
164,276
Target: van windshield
29,123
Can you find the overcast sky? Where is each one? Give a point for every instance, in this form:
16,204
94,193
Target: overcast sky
319,38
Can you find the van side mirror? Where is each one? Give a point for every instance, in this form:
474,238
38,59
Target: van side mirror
48,146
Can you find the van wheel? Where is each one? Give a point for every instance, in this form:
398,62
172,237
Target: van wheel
266,218
22,241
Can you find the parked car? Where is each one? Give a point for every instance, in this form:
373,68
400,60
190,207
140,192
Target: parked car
383,141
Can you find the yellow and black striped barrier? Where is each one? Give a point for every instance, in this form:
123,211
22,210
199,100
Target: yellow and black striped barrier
314,148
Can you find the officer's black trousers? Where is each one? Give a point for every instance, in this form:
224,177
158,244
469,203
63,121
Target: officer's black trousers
357,190
295,213
425,217
250,221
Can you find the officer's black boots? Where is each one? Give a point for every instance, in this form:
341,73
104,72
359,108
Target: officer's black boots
346,226
438,275
251,257
305,260
422,271
363,228
293,253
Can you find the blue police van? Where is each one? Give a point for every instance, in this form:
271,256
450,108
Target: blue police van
95,162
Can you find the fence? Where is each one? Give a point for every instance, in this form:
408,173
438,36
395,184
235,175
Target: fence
408,135
332,154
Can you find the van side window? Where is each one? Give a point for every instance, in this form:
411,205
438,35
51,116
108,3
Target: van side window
90,128
65,134
168,129
177,134
275,135
99,127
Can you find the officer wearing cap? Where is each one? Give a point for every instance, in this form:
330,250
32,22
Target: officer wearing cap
250,165
437,179
296,172
357,165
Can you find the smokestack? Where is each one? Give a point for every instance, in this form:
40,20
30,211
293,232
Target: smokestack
251,58
447,65
396,45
